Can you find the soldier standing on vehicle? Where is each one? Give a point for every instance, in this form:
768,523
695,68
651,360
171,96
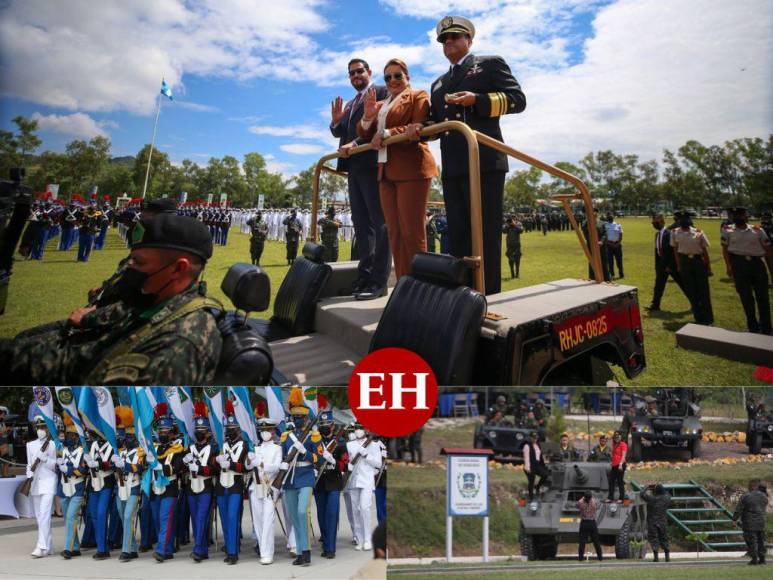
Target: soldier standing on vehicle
601,452
566,451
588,505
691,250
617,474
513,230
658,501
329,235
751,512
258,235
652,406
533,463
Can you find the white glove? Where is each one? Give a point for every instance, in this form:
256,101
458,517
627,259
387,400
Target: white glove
92,464
86,458
224,462
30,473
328,457
194,468
349,466
61,462
300,447
188,458
158,467
118,461
384,453
356,450
283,466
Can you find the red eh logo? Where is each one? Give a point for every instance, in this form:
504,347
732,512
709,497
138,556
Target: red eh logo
393,392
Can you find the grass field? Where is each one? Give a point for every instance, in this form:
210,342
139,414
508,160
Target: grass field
49,290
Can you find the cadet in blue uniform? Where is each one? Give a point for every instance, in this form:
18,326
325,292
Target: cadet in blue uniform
129,463
72,486
476,90
327,492
202,465
164,497
230,484
101,494
299,482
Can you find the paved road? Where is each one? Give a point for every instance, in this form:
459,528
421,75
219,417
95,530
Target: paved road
18,537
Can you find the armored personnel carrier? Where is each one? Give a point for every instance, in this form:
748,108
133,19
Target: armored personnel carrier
553,518
506,440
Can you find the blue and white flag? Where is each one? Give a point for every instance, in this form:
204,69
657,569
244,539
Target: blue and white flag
144,414
310,398
181,405
216,405
275,401
67,397
243,414
166,90
96,406
123,396
45,403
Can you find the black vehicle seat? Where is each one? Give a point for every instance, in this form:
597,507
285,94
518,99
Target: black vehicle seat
434,314
246,357
296,302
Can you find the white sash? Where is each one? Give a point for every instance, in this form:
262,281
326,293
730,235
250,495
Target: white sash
202,458
160,489
74,459
101,454
131,457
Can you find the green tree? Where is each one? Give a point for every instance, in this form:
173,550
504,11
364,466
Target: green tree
160,177
86,162
16,149
27,141
522,189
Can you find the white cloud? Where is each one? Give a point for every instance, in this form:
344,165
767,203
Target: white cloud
273,165
197,107
78,125
302,148
313,132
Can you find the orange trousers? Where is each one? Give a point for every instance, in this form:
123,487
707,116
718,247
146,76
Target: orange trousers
404,204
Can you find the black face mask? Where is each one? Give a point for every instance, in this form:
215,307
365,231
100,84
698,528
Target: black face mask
201,436
163,437
325,430
232,434
685,223
740,222
71,440
129,287
130,441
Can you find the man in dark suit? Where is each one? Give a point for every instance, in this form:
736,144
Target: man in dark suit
476,90
368,219
665,265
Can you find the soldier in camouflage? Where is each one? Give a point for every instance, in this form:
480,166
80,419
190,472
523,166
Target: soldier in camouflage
432,233
167,334
258,235
658,502
292,235
329,234
751,513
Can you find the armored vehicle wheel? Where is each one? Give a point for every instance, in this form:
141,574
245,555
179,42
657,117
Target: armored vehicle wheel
755,445
695,448
623,541
537,546
547,548
528,547
635,452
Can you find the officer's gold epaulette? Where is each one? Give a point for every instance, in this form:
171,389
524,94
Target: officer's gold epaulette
498,103
315,437
283,436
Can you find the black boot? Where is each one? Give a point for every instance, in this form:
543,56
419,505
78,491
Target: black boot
298,561
655,556
668,555
306,558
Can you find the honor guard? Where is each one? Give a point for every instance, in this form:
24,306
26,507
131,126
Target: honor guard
99,461
746,251
230,484
329,235
258,235
164,493
129,464
693,263
364,464
41,469
264,463
298,459
327,491
72,486
476,90
201,463
292,235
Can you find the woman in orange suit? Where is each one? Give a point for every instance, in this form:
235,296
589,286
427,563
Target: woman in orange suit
405,169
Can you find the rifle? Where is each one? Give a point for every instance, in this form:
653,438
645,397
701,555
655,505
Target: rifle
356,461
330,448
381,471
292,456
25,487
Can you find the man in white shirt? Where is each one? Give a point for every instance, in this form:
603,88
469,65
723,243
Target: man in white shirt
364,463
614,245
43,490
264,461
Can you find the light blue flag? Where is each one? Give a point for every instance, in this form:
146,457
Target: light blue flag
216,405
67,397
143,426
275,401
243,414
166,90
96,407
45,402
178,400
123,396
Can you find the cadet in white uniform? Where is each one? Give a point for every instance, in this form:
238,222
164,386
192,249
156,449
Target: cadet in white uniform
264,460
43,486
364,463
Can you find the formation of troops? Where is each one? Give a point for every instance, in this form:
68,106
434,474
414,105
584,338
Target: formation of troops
197,488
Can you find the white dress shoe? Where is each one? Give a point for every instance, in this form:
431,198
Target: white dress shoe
266,561
358,547
37,553
367,547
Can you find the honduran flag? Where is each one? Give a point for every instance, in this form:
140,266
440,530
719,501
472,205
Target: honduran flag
96,406
215,399
143,426
166,90
243,414
68,397
45,403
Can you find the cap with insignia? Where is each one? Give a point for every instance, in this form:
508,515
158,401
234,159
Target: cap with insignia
458,24
267,424
173,232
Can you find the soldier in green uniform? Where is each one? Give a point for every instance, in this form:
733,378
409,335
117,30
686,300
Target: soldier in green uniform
258,235
746,251
751,513
432,233
658,501
566,451
601,452
329,234
513,230
169,335
292,235
691,250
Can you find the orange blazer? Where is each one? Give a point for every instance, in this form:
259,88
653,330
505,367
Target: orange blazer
410,160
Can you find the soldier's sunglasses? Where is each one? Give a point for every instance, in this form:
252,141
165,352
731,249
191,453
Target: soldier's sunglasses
398,76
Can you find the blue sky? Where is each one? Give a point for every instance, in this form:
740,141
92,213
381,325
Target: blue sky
631,75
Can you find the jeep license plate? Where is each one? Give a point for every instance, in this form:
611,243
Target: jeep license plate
669,433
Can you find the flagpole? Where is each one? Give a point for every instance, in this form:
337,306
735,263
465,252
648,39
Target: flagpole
152,142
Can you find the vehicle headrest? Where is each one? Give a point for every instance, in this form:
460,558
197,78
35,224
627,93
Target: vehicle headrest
248,287
440,268
313,252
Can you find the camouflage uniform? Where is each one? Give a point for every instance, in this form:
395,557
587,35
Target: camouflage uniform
513,233
657,508
292,235
258,235
568,454
432,235
183,351
329,238
751,511
599,454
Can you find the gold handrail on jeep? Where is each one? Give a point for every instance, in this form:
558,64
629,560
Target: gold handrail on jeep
476,217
